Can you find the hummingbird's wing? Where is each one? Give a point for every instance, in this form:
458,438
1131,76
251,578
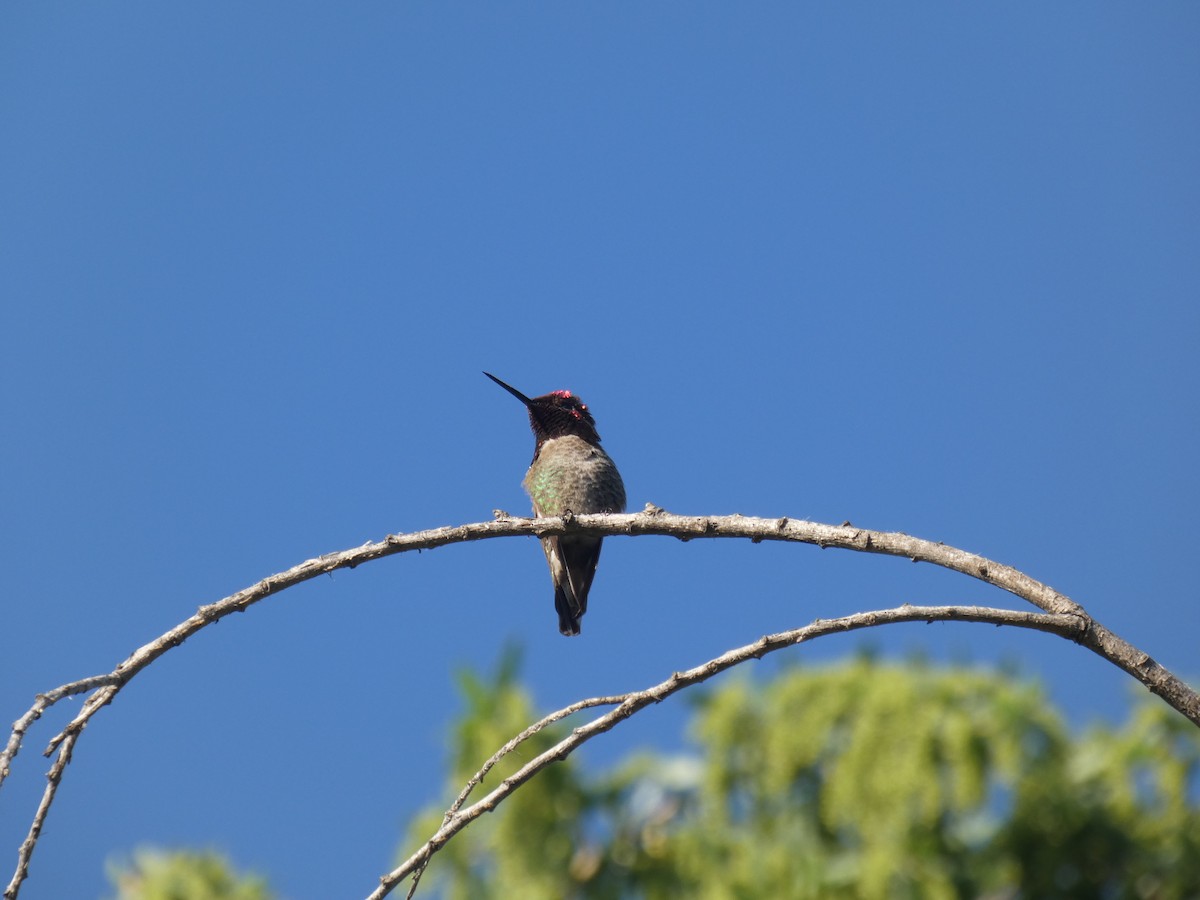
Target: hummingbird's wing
572,560
580,556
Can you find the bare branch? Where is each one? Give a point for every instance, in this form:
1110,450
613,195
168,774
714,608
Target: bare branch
651,521
1068,625
40,704
25,853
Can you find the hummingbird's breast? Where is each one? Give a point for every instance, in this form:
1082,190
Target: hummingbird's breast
569,473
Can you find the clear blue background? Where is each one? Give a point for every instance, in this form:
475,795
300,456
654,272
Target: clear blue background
930,268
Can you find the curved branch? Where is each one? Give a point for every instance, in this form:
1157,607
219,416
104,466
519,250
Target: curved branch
651,521
1068,625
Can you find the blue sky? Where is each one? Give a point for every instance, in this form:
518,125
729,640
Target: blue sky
925,268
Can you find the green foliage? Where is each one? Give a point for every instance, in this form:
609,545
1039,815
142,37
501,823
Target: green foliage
864,779
535,840
183,875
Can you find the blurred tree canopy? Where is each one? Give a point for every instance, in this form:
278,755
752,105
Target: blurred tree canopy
183,875
863,779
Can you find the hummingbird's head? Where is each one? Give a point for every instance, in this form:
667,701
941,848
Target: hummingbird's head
556,414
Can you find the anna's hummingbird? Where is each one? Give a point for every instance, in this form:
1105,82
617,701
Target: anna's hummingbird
569,472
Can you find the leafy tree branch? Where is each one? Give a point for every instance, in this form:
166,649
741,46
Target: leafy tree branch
1063,617
860,777
457,818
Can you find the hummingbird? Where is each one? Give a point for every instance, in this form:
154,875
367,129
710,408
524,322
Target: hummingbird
570,472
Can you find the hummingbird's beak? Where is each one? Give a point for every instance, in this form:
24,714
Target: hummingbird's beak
510,389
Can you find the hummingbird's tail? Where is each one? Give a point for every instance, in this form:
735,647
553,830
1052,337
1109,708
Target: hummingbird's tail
572,567
568,616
